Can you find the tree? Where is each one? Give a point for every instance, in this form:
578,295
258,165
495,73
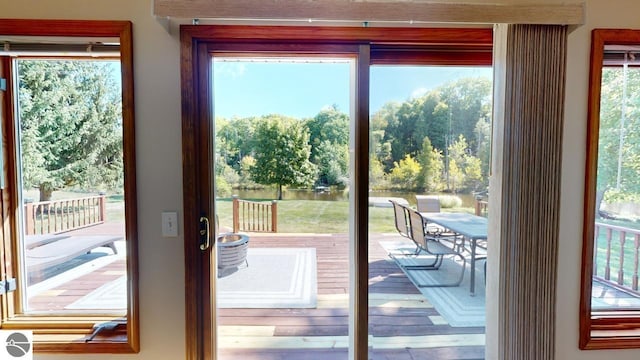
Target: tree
246,164
483,140
234,139
329,140
618,139
464,169
332,161
469,99
328,125
71,125
405,173
401,131
282,153
431,168
456,175
377,177
435,180
442,114
380,143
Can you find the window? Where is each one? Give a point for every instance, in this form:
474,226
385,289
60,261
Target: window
610,300
68,187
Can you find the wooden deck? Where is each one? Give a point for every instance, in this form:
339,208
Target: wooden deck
54,288
402,324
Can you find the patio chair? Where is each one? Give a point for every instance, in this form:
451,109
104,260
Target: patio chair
400,216
427,203
403,228
430,204
436,245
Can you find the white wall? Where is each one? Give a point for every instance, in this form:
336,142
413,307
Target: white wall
159,163
159,167
600,14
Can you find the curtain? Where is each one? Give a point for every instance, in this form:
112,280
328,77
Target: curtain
529,131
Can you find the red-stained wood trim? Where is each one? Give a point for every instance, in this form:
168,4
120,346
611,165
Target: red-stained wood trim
46,327
8,146
71,28
480,37
599,330
426,57
206,200
190,72
256,49
130,183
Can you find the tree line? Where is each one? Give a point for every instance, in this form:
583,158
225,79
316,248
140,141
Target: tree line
71,137
436,142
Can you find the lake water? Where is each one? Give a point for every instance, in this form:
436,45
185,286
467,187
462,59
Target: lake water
336,195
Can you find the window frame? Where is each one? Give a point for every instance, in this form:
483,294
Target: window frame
601,329
61,333
197,41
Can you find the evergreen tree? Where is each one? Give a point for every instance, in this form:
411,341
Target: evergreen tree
71,125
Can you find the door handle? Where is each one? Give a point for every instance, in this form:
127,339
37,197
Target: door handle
204,233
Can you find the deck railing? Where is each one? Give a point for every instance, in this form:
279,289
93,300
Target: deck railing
254,216
482,207
48,217
621,249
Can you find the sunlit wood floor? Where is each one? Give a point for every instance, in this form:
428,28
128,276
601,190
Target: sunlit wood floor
402,323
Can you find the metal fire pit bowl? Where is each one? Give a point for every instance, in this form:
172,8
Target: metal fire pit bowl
232,250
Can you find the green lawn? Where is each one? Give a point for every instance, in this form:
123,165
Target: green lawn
316,216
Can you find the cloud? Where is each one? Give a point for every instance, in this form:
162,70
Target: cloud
418,92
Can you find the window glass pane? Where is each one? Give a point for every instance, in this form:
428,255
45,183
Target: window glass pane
282,184
617,215
71,186
430,151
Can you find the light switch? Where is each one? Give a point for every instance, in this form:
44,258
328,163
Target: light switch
169,224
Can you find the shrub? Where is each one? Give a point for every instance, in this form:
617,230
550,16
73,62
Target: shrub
223,189
404,174
450,201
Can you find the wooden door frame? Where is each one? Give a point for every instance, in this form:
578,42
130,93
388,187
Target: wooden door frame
198,145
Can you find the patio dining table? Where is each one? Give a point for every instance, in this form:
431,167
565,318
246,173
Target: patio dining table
473,229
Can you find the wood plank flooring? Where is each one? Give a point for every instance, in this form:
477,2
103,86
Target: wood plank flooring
402,323
64,293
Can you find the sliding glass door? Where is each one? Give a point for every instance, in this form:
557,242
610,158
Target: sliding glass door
288,156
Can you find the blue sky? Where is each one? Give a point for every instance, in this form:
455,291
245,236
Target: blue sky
245,88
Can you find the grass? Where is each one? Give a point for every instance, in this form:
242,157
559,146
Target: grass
314,216
317,216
